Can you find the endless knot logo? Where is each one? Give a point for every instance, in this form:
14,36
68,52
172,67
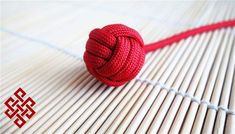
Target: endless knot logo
19,108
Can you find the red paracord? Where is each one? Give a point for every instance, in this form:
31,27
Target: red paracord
115,54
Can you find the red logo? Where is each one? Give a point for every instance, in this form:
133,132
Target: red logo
19,108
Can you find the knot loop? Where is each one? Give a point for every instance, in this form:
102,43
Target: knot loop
114,54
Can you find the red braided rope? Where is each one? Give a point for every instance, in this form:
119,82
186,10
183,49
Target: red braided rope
115,54
176,38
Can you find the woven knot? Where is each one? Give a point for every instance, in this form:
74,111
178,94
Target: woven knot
114,54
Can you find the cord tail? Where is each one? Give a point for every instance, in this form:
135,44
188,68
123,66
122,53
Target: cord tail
183,35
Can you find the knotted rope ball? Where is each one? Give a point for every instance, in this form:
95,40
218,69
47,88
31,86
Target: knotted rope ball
114,54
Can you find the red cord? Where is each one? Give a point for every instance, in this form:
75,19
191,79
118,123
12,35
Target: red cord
115,53
176,38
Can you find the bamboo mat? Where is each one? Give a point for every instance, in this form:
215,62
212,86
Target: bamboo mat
184,88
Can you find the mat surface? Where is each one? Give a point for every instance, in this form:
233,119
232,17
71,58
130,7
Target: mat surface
184,88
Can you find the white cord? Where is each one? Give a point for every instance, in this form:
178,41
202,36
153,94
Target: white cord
41,43
184,94
153,83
